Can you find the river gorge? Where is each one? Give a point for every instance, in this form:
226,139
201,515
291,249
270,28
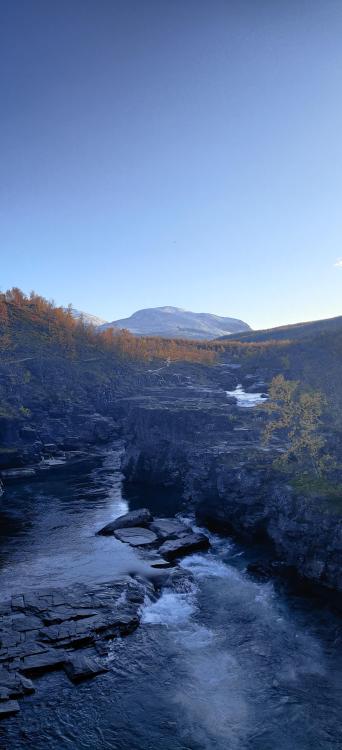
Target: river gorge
220,659
235,647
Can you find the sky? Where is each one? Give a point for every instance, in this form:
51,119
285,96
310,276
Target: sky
173,152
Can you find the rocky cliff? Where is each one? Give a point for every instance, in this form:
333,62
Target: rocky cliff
195,437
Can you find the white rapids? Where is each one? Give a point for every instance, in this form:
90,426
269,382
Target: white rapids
246,400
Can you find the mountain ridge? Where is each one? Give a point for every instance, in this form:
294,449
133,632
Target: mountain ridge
293,331
175,322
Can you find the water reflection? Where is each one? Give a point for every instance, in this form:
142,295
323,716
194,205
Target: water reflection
48,527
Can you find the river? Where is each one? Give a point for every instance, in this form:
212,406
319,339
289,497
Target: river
222,662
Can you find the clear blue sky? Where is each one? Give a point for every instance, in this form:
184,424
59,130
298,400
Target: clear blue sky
173,152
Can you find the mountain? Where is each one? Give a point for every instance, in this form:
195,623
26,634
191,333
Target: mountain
293,332
173,322
88,318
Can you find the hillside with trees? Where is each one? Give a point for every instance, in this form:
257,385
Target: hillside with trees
51,361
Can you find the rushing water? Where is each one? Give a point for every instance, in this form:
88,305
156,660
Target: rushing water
246,400
221,662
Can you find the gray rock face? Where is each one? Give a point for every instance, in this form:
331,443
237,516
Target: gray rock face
135,536
213,453
185,545
141,517
168,528
83,617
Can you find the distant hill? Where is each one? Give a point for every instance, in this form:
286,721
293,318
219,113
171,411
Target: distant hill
87,317
173,322
295,332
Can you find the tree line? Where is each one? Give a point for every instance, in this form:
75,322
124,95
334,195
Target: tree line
43,321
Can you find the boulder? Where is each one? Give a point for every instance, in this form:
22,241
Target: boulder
168,528
141,517
136,536
160,562
184,545
81,667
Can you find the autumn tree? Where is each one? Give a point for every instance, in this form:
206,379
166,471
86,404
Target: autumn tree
5,337
16,296
3,311
297,414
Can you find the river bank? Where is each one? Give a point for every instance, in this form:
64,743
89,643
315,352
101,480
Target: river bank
220,660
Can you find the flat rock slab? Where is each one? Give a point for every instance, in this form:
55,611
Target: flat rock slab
168,528
84,632
66,631
136,537
185,545
62,614
22,623
81,667
40,629
41,663
14,685
10,708
141,517
160,563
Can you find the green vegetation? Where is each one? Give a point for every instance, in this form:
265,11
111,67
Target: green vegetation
298,415
321,488
292,332
310,353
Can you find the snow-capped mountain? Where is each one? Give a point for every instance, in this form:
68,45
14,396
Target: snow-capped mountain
88,318
173,322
